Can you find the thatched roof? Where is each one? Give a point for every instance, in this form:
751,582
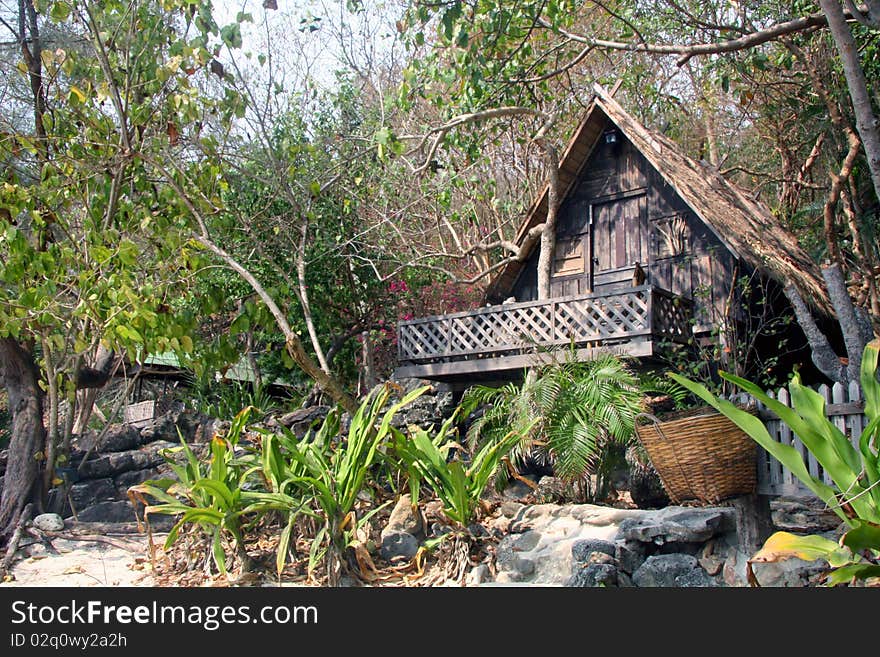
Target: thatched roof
743,224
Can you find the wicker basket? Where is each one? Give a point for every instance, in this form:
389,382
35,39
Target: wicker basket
701,456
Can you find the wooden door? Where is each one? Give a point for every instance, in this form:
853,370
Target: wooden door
620,239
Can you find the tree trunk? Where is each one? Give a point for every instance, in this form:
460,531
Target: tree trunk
28,436
823,356
866,121
548,234
855,327
304,298
368,371
105,364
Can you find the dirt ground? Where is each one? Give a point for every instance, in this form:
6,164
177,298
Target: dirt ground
84,557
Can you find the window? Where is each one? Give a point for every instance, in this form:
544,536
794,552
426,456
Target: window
569,256
670,237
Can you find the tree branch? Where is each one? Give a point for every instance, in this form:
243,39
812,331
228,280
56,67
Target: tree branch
686,51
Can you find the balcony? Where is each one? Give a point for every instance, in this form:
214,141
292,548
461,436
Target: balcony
496,341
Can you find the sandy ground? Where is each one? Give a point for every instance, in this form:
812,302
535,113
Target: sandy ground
102,560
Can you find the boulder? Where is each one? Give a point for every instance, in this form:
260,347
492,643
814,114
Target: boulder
508,553
517,490
478,575
108,465
510,509
594,575
190,424
300,420
677,525
134,477
404,519
802,515
630,555
672,570
553,490
87,493
582,550
49,522
398,545
521,566
119,437
117,511
432,407
790,573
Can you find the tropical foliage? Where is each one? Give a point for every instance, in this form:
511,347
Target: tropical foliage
852,464
569,415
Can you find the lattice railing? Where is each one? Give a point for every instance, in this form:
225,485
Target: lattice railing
495,330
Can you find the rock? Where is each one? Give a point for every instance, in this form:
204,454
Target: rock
478,575
404,519
581,551
117,511
507,554
432,407
108,465
398,545
802,515
677,525
510,509
49,522
710,560
477,530
499,527
594,575
87,493
630,555
624,580
553,490
434,510
133,478
119,437
517,490
523,567
671,570
439,529
300,420
170,427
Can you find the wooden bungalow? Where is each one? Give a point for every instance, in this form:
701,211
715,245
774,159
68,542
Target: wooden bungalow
649,243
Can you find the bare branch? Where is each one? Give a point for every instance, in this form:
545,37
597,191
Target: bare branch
440,132
686,51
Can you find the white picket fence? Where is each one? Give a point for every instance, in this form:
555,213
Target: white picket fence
844,406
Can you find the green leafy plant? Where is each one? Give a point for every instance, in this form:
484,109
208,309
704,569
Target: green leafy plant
334,476
280,473
211,500
855,471
458,483
569,414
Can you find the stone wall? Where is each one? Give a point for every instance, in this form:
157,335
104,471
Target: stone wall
125,456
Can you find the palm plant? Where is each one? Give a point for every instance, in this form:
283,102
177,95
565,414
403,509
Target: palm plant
568,415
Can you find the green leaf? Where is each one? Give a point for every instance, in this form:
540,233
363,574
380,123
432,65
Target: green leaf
231,35
864,536
60,12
